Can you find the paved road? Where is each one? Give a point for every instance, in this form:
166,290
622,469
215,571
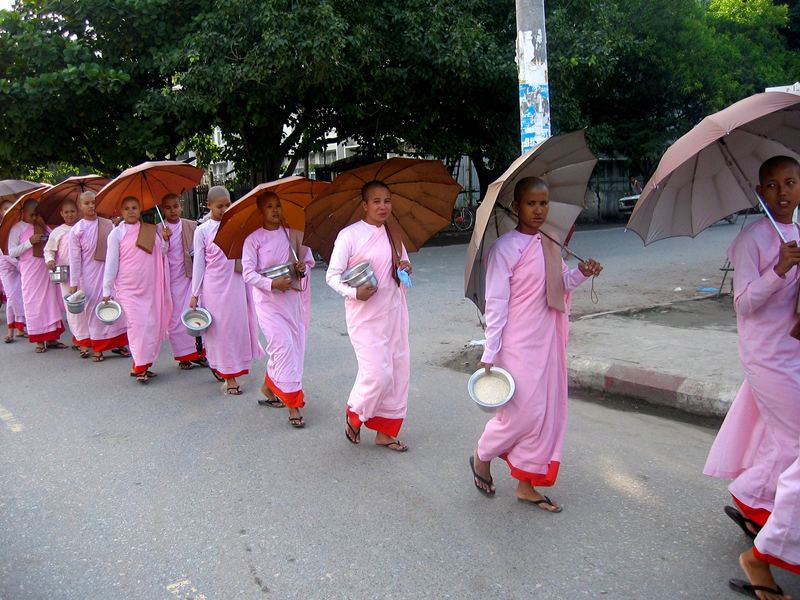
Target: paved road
111,490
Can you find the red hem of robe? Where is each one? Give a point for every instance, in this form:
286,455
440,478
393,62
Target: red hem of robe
49,336
233,376
776,561
290,399
535,479
390,427
757,515
87,343
18,325
192,356
3,298
110,344
141,369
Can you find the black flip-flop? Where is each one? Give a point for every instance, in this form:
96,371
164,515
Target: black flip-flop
488,482
149,373
748,589
538,504
401,447
742,522
297,422
9,339
124,352
356,433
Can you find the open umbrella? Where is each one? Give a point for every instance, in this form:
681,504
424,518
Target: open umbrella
709,173
243,217
14,214
423,195
11,189
148,182
49,207
565,163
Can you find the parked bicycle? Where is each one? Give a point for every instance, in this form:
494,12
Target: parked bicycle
463,218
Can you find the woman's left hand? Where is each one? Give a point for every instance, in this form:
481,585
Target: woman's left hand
300,267
405,266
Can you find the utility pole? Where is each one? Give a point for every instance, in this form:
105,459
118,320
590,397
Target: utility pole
534,89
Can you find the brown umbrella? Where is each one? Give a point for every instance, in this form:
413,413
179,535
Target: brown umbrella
150,182
423,195
14,213
11,189
243,217
565,163
49,207
709,173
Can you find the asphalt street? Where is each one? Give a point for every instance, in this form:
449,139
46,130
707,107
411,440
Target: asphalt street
113,490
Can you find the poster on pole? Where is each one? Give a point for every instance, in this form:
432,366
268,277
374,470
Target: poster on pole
534,89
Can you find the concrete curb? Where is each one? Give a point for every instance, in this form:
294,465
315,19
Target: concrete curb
654,387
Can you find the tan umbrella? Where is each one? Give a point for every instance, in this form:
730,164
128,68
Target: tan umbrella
565,163
14,213
150,182
11,189
709,173
49,207
243,217
423,195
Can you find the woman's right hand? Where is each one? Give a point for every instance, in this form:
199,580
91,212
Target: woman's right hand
281,284
788,257
73,289
36,238
193,302
487,366
51,264
365,292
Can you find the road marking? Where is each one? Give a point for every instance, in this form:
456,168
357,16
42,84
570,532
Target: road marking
185,590
10,420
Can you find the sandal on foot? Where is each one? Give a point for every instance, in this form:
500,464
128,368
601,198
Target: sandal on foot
233,390
201,362
353,435
742,522
98,358
123,351
84,353
489,482
9,339
297,422
141,377
748,589
149,373
40,349
216,375
185,365
55,345
273,402
539,503
394,446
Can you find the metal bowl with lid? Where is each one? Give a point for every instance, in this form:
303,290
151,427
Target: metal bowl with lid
108,311
277,271
75,302
360,274
491,391
196,321
60,274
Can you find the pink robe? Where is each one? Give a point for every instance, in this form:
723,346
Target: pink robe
137,280
281,315
12,286
759,442
57,250
43,306
184,347
232,339
378,329
86,274
528,339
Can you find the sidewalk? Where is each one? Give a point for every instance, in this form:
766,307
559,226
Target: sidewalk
682,355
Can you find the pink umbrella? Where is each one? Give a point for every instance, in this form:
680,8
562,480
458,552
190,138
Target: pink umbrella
708,174
12,189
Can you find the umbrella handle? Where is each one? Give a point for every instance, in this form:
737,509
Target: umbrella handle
160,216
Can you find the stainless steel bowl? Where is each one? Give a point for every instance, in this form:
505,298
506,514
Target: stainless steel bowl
360,274
495,372
277,271
108,312
60,274
76,307
196,321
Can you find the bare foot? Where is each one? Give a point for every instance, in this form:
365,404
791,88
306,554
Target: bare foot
758,573
527,493
387,441
270,399
483,474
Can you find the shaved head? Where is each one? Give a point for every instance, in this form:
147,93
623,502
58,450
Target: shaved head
529,184
262,200
88,195
776,161
218,192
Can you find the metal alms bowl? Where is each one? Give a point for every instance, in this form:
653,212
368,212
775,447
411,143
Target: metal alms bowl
60,274
495,372
75,307
360,274
277,271
196,321
108,312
